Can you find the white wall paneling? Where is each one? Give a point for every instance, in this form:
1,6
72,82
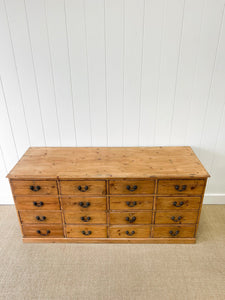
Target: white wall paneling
114,51
113,73
96,59
133,52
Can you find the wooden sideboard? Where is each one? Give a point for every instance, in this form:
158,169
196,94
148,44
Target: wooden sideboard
109,195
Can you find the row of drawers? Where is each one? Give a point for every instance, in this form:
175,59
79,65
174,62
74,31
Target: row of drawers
94,217
100,203
99,231
98,187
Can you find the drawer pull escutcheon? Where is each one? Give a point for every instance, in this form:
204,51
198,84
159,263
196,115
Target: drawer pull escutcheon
35,188
84,205
44,234
176,219
131,220
131,204
179,205
130,233
85,219
174,233
86,233
131,189
183,188
43,218
81,189
38,204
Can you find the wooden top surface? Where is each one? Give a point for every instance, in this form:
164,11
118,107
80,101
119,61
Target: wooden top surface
113,162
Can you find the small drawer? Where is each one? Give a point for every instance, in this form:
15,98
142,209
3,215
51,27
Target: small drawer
181,187
94,231
176,217
34,187
173,231
37,203
178,203
83,203
131,218
131,186
40,216
130,231
130,202
92,217
43,231
82,188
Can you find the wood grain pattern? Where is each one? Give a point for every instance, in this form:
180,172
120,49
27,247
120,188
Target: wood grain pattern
134,209
54,231
72,187
164,231
130,202
125,162
121,187
40,216
117,218
84,218
22,187
137,231
113,240
27,202
88,203
178,203
184,187
176,217
77,231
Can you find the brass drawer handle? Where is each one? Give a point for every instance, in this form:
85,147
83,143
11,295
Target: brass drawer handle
85,219
43,218
89,232
130,233
131,204
132,189
174,233
176,219
84,205
38,204
183,188
179,205
35,188
44,234
81,189
131,220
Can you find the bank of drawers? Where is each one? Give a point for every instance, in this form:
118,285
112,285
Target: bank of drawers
114,209
38,207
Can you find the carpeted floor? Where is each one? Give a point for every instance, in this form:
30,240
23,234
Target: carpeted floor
105,271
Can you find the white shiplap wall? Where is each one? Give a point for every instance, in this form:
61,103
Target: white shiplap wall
113,73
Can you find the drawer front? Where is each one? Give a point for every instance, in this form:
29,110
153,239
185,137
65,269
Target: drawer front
40,216
83,203
173,231
178,203
92,217
181,187
43,231
82,188
33,187
131,218
130,231
130,203
176,217
94,231
37,203
131,186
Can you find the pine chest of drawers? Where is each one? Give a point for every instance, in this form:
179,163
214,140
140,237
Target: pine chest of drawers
109,195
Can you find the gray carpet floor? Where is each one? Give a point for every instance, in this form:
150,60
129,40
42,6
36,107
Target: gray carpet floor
114,271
